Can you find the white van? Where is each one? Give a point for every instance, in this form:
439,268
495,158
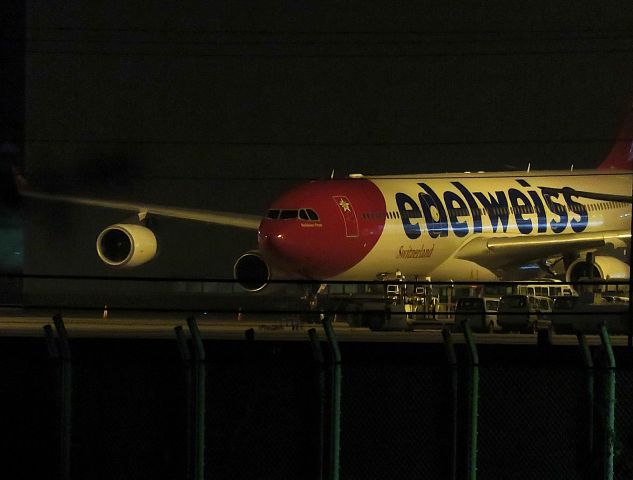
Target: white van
479,313
546,289
524,313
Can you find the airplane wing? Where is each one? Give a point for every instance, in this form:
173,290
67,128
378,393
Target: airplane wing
607,197
494,252
249,222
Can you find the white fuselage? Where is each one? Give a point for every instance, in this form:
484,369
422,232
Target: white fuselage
430,218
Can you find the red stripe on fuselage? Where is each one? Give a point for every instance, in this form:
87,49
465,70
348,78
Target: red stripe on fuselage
351,220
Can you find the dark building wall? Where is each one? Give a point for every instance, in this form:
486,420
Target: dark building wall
12,77
12,60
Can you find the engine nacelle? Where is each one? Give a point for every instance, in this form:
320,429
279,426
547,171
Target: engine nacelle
604,268
252,272
126,245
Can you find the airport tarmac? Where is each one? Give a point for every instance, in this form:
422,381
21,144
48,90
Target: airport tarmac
161,325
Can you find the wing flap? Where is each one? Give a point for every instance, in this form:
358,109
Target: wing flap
497,251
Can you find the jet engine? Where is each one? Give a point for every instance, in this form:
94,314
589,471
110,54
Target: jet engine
604,268
126,245
251,271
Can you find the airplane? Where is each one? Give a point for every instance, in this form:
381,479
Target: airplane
482,226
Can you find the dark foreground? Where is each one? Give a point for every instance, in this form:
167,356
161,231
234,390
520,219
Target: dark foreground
130,404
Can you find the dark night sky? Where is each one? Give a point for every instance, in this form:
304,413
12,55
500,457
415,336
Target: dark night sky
222,105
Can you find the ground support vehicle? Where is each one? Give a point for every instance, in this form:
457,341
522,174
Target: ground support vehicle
573,315
392,303
524,313
479,313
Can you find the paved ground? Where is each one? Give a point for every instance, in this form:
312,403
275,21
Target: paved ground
275,328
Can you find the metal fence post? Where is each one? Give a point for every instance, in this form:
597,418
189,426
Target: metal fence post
199,374
59,349
471,454
335,410
317,355
609,399
196,388
629,342
185,354
249,334
452,362
589,454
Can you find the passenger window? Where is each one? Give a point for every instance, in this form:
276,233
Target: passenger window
274,214
312,215
303,215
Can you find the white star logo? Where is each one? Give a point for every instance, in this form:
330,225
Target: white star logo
344,205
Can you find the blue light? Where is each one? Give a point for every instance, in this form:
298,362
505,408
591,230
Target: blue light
530,266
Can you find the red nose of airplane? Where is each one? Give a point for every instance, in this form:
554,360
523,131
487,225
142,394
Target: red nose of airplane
281,243
321,229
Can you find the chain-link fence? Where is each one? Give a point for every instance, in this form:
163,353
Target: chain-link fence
267,410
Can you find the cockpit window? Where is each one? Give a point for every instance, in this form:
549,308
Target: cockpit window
308,214
287,214
304,214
